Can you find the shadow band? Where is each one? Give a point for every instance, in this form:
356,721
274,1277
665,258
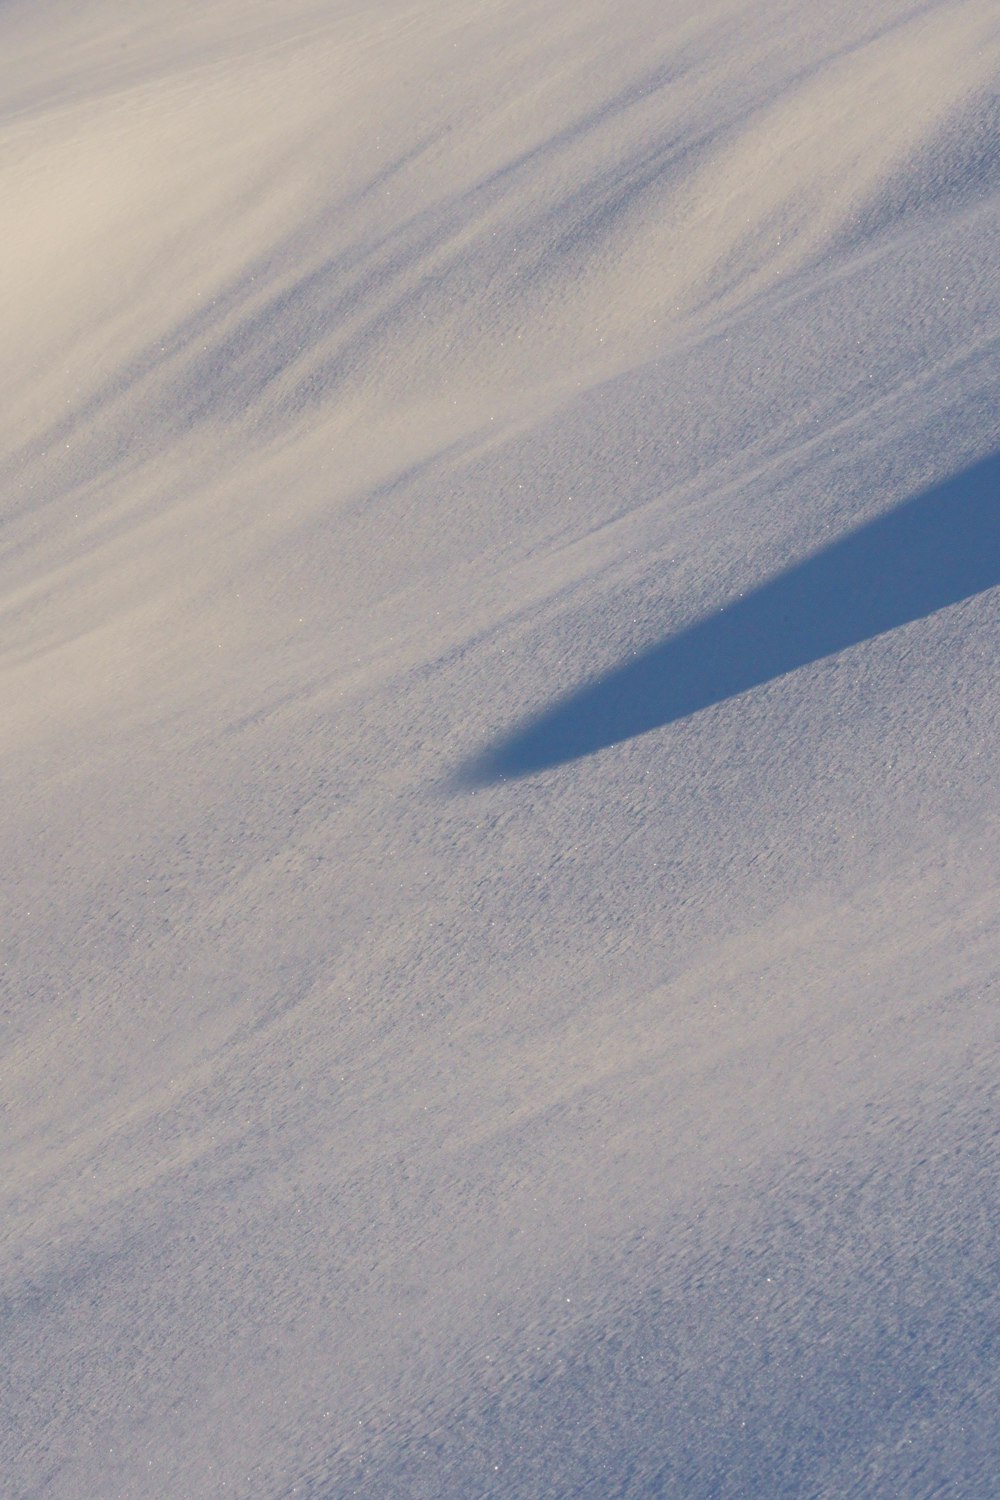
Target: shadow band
932,551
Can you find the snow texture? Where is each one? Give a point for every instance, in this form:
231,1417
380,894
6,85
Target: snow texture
501,903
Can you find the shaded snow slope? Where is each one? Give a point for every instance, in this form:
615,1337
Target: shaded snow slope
501,546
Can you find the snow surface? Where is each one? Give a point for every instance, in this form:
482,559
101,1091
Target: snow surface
501,547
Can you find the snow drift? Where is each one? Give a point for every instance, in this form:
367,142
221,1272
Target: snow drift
501,514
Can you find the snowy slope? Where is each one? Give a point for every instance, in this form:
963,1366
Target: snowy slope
501,917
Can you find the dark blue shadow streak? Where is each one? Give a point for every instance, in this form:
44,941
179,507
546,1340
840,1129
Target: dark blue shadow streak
931,551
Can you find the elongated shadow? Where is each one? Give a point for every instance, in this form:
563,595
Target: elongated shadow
931,551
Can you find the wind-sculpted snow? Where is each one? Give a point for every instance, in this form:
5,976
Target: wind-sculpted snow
500,609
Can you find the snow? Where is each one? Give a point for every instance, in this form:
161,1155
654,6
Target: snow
501,540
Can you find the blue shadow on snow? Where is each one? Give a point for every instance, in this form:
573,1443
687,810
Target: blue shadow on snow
932,551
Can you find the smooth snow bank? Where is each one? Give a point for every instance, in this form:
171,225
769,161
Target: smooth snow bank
499,588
